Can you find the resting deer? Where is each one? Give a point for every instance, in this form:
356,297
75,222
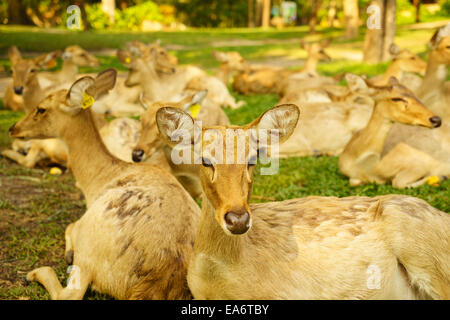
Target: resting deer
272,80
153,149
141,221
385,247
25,92
403,64
73,57
361,159
230,63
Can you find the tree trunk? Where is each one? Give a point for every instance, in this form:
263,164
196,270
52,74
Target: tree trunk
108,7
258,12
266,14
17,13
315,6
389,28
351,13
251,11
380,30
417,5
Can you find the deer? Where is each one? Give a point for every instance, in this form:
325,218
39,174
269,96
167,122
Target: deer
230,63
25,92
130,208
404,63
153,149
272,80
361,159
72,57
306,248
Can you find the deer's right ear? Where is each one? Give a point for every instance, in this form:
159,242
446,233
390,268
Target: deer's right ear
175,125
105,81
14,54
80,96
283,118
356,83
394,50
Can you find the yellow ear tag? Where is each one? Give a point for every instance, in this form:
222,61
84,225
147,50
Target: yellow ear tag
88,100
194,110
433,181
127,60
55,171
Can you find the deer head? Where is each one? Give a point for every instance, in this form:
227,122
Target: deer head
316,50
139,62
53,115
440,45
227,182
80,57
407,61
150,139
398,104
233,60
24,71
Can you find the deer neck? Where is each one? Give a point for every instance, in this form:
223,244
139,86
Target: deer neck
311,64
90,161
33,94
393,70
223,73
435,75
372,138
151,84
212,240
69,69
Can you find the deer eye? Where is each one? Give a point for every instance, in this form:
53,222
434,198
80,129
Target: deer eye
41,110
207,163
398,99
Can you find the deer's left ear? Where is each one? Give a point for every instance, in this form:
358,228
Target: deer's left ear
283,118
175,124
48,60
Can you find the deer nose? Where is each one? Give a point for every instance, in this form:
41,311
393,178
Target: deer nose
137,155
173,70
436,121
18,90
237,223
11,129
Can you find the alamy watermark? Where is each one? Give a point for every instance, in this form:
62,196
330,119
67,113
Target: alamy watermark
73,17
374,18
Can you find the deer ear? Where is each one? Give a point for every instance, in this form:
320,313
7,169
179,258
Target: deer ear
283,118
220,56
48,60
14,55
105,81
393,81
80,95
175,125
394,50
356,83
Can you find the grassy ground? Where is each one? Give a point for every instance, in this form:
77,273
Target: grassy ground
35,207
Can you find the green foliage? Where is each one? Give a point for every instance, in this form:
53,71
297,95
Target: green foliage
132,17
445,8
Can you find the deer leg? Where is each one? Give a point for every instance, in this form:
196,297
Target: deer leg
75,290
28,161
69,252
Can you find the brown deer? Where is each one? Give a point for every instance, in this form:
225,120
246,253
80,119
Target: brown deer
25,92
404,63
272,80
152,148
72,57
361,159
230,63
131,208
385,247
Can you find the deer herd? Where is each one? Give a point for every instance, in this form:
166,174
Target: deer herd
143,236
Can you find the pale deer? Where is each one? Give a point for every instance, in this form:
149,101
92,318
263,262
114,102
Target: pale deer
152,148
361,159
136,237
72,57
403,65
230,63
25,92
385,247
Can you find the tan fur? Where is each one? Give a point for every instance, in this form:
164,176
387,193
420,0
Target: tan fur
315,247
361,159
136,238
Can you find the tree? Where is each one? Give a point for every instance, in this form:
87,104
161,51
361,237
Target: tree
351,13
266,14
251,19
315,6
380,30
108,7
17,13
417,5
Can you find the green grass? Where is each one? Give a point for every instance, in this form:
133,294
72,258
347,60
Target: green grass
35,207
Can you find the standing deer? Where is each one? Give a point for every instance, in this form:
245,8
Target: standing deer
25,92
135,239
385,247
361,159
